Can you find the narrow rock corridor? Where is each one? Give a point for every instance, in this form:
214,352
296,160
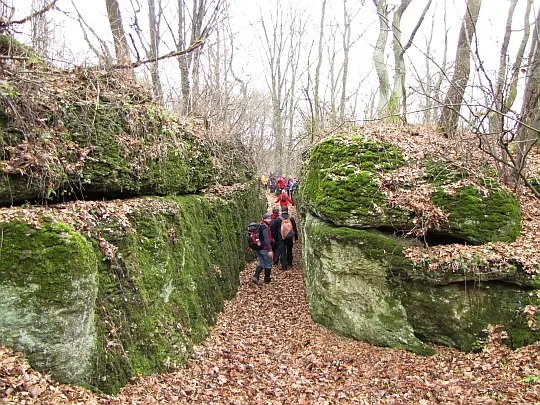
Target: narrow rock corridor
265,349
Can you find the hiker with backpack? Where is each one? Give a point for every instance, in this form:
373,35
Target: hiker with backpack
275,233
260,239
284,199
287,232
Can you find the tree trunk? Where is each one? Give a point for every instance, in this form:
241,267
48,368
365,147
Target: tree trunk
155,39
378,55
318,107
121,47
184,61
449,119
346,48
512,90
529,130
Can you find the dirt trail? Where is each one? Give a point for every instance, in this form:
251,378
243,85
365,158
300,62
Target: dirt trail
265,349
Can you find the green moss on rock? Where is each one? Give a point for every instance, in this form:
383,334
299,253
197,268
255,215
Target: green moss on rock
112,145
347,282
360,284
129,158
97,323
174,271
48,289
341,185
479,218
468,308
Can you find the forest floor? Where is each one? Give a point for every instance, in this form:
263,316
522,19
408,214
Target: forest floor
265,349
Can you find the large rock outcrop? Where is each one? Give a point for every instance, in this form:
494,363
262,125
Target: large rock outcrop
89,134
127,289
360,195
96,290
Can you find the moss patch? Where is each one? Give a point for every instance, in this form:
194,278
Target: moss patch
468,308
340,184
98,322
480,218
174,270
48,288
348,286
99,136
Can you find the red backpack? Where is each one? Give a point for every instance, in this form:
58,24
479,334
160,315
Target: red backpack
253,234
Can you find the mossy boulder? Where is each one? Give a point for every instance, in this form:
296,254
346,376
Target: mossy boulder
126,296
456,314
347,283
344,183
340,184
88,134
480,218
359,283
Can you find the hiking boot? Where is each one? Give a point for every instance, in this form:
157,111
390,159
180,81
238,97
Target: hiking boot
255,278
267,273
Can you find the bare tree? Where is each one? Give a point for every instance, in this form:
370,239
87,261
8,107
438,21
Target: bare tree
529,130
194,25
121,46
154,26
41,30
399,95
318,106
379,59
390,101
346,49
449,119
281,38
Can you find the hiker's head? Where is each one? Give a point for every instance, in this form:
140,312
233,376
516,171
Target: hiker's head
285,210
275,210
267,217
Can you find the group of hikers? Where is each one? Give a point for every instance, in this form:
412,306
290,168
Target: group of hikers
273,238
278,183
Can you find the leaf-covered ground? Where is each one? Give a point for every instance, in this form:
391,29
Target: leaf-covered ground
265,349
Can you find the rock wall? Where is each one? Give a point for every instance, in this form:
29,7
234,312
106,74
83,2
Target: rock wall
90,134
348,288
94,289
48,288
126,296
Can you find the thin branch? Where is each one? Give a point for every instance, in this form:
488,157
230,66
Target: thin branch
33,15
197,44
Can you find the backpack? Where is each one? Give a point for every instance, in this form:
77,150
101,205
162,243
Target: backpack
283,198
287,231
253,231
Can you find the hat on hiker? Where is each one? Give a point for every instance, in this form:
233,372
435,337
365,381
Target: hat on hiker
275,209
267,215
285,209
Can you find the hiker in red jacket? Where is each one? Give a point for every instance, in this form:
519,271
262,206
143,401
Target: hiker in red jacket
284,199
282,183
